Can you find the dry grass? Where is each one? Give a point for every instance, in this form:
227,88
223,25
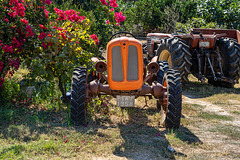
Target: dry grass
128,133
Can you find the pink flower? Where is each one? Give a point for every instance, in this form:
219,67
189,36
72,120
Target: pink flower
24,21
1,82
1,66
29,31
46,13
107,21
15,43
104,2
44,45
66,141
112,9
20,9
83,141
119,17
59,28
6,20
63,35
113,3
42,26
58,11
48,2
42,35
95,38
64,136
7,48
58,153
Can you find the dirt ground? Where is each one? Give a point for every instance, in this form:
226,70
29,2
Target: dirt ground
210,127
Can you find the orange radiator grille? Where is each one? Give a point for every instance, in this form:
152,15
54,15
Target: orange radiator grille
125,64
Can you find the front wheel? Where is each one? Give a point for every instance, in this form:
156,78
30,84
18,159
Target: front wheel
78,96
171,112
163,67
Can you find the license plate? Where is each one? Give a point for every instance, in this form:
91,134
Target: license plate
125,101
204,44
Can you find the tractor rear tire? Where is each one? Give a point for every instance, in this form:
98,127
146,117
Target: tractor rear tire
171,115
176,52
230,52
78,93
163,67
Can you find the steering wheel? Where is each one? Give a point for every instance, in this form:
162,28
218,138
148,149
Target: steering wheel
177,32
122,32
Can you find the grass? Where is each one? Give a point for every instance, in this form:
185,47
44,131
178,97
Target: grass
212,116
115,133
236,112
231,131
208,92
41,129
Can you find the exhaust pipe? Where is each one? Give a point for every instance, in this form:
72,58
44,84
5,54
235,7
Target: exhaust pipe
101,66
153,67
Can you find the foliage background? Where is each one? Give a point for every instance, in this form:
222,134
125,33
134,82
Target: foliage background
163,15
142,16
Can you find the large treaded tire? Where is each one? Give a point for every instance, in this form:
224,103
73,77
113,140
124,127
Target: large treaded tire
163,67
181,58
230,52
172,116
78,93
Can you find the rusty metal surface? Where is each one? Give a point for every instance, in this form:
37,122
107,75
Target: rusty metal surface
153,67
95,88
101,66
230,33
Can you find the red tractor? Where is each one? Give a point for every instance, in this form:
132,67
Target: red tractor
206,53
125,77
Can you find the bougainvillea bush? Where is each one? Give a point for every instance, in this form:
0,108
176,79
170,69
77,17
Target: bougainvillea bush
18,32
50,41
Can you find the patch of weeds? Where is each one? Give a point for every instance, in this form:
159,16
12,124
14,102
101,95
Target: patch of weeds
186,135
225,98
212,116
173,138
197,89
236,112
13,151
191,109
229,130
98,110
197,106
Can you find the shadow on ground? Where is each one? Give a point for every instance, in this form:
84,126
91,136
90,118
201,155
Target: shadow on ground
142,141
27,124
199,90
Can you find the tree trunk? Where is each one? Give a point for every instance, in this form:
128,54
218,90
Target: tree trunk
60,85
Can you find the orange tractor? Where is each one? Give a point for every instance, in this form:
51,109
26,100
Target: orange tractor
206,53
125,77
